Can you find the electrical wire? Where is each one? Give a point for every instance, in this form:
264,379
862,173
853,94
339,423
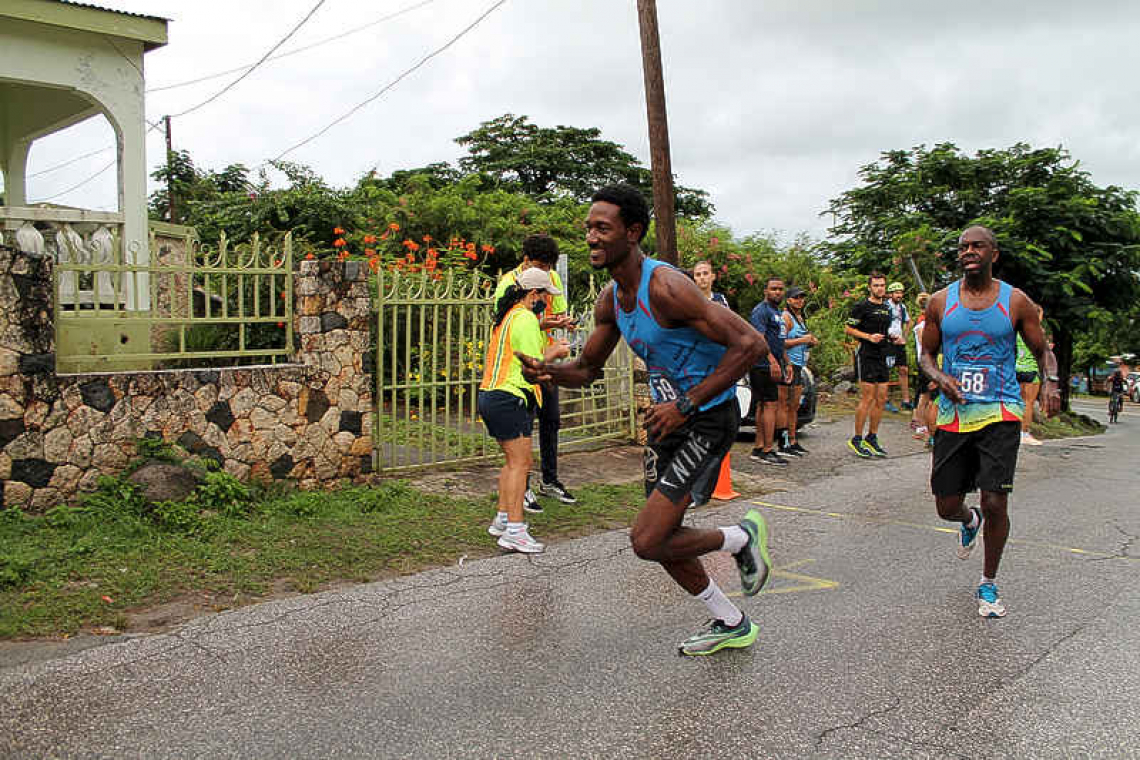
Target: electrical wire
253,68
334,38
113,162
71,161
391,84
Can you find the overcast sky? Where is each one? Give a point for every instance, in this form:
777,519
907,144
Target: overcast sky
773,104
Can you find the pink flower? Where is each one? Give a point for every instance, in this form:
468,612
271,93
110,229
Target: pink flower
750,277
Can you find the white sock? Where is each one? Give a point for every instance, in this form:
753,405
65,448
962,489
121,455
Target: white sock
516,527
719,606
974,521
734,539
985,580
501,517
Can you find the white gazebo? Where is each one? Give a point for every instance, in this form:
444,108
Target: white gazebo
62,63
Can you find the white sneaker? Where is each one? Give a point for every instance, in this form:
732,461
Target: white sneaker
497,527
521,542
1027,439
530,503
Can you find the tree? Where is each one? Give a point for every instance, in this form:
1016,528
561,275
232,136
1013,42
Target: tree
191,185
1072,246
561,162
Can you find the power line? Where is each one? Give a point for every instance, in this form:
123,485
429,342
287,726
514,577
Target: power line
71,161
114,161
325,41
265,57
391,84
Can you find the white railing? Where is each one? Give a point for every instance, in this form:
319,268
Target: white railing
70,236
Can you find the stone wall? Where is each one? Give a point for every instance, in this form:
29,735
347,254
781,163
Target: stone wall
308,422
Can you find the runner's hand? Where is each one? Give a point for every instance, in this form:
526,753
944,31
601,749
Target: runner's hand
1051,399
948,384
557,322
662,419
788,375
775,371
533,370
876,337
556,350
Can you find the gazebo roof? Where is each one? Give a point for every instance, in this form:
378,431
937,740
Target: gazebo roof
150,30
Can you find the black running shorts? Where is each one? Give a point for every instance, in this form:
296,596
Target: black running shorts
1026,377
687,461
506,416
984,459
898,351
871,369
764,388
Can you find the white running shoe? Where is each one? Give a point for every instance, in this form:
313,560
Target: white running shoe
1027,439
497,527
521,542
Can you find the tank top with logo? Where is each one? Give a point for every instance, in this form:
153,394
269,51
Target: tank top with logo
677,358
980,350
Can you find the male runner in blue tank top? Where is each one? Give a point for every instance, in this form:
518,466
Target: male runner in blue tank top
974,324
695,352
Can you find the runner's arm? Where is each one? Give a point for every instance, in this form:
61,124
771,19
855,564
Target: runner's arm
932,347
678,302
590,364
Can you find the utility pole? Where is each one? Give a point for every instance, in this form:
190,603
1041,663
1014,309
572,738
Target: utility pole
660,163
169,173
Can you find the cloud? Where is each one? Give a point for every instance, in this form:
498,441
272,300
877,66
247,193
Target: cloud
773,106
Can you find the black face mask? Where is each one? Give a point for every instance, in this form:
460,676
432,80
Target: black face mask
538,307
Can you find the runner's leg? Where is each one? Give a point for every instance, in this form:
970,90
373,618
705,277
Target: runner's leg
995,511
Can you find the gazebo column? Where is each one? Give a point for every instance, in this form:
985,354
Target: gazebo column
14,163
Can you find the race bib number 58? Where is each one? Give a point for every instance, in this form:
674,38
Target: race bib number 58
976,383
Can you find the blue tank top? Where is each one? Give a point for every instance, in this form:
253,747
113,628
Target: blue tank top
677,358
979,347
798,354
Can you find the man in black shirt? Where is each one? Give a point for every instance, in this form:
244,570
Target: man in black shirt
869,322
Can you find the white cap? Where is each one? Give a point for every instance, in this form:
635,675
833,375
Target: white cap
536,279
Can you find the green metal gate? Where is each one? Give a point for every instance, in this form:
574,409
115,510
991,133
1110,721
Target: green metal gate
431,337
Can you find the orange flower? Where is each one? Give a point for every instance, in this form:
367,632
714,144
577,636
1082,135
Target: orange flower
373,264
385,235
369,252
471,255
280,324
310,256
429,265
338,230
436,276
427,238
342,256
488,248
411,258
369,239
411,245
432,253
394,227
339,243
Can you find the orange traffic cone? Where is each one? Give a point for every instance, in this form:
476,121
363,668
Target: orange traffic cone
723,490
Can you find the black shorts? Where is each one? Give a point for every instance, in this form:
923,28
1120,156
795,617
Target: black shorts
687,461
871,369
1026,377
764,388
984,459
506,416
898,353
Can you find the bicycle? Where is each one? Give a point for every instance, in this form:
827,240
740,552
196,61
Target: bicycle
1115,404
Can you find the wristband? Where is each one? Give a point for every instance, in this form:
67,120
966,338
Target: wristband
1053,378
685,406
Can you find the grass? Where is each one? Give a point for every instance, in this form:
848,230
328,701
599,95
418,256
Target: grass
86,567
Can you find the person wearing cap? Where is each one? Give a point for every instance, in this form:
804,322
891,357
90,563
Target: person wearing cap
796,348
507,401
896,335
541,251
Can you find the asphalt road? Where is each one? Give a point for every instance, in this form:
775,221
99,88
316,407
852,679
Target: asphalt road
870,645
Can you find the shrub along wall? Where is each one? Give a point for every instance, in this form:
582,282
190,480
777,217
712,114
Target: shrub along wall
308,422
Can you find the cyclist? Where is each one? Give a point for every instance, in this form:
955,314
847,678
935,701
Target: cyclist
1116,385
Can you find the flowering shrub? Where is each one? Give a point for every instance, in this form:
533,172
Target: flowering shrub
426,255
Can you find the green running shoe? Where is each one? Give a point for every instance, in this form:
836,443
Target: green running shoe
753,561
719,636
859,448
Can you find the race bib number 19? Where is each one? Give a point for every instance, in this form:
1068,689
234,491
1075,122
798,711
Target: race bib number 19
661,389
976,383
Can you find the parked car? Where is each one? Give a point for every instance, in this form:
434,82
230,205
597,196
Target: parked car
804,417
1133,386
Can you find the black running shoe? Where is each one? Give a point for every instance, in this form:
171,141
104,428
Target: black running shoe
790,451
770,457
797,449
871,443
557,490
